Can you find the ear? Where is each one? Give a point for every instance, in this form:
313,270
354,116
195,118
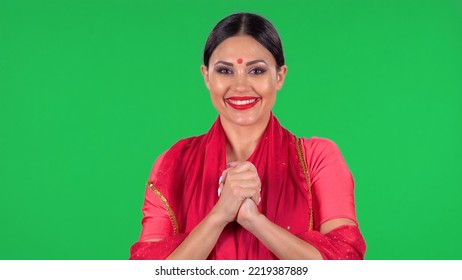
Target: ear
281,75
205,74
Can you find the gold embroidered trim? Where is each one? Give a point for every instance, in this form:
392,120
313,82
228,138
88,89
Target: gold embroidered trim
301,157
167,206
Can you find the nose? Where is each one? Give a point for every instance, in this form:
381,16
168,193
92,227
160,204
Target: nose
241,83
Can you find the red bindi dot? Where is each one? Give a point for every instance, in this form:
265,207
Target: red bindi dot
239,60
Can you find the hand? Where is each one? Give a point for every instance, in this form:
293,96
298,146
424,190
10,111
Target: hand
247,214
239,182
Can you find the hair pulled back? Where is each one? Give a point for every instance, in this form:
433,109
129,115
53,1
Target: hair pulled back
245,24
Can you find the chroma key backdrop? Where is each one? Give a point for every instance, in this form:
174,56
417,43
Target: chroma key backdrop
92,91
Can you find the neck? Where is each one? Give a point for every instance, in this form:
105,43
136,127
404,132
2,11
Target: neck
242,140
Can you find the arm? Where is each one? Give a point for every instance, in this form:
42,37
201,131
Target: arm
337,237
201,240
282,243
239,182
278,240
160,240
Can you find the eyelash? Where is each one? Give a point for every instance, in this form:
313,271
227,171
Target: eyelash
254,71
224,71
258,71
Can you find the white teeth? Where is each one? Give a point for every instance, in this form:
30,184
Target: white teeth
242,102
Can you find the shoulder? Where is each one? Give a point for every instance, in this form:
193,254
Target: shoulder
321,152
323,156
186,142
331,179
178,148
319,145
183,144
318,141
168,160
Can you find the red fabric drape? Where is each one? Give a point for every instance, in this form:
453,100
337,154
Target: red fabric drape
187,179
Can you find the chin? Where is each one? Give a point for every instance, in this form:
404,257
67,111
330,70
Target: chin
245,120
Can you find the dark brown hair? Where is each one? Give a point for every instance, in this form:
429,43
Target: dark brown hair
245,24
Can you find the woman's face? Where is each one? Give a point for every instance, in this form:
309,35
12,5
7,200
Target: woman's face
243,79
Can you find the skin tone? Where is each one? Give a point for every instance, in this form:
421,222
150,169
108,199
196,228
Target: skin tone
242,67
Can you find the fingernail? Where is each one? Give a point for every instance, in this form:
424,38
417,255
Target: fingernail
259,200
219,191
220,180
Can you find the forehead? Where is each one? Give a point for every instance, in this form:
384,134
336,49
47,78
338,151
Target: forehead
243,46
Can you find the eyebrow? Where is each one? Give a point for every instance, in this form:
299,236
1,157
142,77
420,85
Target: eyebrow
247,64
224,62
255,62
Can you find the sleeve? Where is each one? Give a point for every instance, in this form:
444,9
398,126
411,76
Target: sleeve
331,181
159,250
342,243
156,223
333,197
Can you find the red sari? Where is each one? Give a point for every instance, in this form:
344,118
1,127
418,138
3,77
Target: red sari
182,189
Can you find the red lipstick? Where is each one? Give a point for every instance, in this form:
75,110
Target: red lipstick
242,102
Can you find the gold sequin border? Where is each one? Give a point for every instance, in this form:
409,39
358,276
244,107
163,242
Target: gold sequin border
167,206
301,157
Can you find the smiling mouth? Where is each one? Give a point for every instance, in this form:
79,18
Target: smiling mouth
242,103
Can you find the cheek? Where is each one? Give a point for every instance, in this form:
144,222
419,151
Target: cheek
266,87
218,87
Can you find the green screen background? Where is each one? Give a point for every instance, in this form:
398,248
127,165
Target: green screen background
91,92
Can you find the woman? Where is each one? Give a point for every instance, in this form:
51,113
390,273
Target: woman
248,189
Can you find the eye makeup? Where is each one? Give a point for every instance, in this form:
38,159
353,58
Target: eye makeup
227,68
257,71
223,70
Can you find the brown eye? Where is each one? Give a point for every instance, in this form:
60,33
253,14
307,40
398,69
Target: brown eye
225,71
257,71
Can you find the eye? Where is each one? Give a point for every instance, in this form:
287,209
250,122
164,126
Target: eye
257,71
224,70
